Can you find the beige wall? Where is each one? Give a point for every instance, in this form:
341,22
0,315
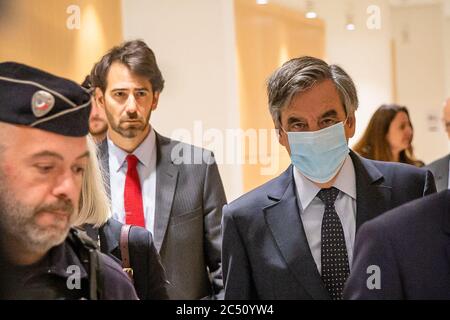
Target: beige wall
36,33
267,36
419,37
364,53
194,43
420,78
446,35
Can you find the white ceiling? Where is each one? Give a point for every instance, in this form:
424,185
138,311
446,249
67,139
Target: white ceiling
301,4
408,3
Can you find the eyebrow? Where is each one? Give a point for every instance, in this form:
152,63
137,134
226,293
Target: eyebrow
292,120
126,89
56,155
84,155
329,113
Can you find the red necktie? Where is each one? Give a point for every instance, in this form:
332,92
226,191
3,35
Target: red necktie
134,209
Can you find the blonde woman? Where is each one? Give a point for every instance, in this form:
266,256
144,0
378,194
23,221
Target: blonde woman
94,217
94,203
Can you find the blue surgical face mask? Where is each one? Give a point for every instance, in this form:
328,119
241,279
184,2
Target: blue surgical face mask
319,155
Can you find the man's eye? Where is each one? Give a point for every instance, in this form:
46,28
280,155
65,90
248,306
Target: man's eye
44,168
119,94
141,93
79,170
328,122
299,126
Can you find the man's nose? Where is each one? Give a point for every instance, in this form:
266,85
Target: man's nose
94,112
68,187
131,106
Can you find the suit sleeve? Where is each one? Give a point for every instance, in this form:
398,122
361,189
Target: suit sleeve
375,273
430,185
213,200
116,284
157,286
236,268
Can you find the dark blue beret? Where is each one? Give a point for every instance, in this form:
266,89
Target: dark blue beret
34,98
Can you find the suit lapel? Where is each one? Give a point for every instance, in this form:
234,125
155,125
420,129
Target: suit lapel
372,196
441,177
445,203
103,156
283,219
109,235
166,181
446,211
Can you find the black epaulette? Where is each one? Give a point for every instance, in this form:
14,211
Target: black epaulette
88,252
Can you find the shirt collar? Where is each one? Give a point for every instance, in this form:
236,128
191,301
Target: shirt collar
345,182
143,152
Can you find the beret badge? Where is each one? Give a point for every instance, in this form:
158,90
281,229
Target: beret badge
42,103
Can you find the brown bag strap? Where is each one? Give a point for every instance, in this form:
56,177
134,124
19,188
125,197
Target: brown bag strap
124,249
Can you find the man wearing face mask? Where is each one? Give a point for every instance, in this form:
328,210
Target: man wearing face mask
293,237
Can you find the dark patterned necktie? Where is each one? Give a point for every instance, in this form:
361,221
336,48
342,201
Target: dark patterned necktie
335,266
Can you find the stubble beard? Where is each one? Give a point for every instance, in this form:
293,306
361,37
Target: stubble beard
18,222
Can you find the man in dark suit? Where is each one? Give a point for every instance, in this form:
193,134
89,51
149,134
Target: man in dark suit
172,189
440,167
405,253
293,237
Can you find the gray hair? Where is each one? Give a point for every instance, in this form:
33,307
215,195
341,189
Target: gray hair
301,74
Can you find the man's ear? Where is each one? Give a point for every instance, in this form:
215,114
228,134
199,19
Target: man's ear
99,98
282,137
155,100
350,126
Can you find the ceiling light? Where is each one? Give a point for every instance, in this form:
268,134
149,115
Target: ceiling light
310,12
350,27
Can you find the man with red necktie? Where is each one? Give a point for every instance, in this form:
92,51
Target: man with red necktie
180,202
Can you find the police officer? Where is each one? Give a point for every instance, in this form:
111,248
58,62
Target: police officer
43,154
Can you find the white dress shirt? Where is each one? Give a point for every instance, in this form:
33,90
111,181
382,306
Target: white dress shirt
146,167
312,209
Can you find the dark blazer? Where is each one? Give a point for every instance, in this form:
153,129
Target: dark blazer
149,276
411,247
440,168
188,212
265,250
